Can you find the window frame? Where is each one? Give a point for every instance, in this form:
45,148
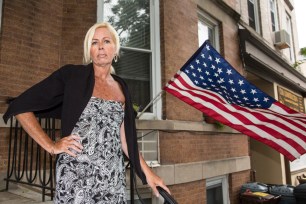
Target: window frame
155,69
292,56
213,24
275,15
223,180
256,15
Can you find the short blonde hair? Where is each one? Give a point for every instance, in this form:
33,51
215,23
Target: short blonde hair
88,40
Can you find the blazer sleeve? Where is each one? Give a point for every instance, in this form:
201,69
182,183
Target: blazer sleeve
44,98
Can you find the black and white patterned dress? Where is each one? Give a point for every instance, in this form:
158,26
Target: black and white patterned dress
96,175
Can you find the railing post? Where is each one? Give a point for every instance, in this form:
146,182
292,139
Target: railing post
131,183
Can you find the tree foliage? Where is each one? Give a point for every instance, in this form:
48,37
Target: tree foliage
303,51
131,19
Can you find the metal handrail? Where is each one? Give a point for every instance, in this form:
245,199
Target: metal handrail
27,162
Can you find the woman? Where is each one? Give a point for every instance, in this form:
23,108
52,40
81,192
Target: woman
98,123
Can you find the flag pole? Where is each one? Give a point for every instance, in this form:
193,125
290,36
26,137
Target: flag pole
140,114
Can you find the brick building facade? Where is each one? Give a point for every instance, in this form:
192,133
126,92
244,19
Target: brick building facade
37,37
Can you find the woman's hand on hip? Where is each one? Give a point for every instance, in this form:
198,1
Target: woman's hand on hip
70,145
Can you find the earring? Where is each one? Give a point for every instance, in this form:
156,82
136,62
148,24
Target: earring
116,58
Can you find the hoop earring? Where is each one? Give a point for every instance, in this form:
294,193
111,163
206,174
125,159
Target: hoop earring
116,58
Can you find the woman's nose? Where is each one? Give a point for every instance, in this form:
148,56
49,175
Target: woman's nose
101,46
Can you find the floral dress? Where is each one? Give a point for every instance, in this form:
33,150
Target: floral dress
97,174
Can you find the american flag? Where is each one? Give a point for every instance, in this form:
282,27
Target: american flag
210,84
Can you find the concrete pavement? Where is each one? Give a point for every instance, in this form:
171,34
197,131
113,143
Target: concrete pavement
20,194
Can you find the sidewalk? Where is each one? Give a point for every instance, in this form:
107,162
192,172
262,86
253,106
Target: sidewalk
19,194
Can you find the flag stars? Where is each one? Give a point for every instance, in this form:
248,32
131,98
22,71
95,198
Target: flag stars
196,82
240,82
210,58
217,60
255,99
213,67
199,69
219,70
231,81
198,61
204,64
229,72
245,98
207,73
253,91
265,99
216,74
221,80
191,66
193,74
187,71
201,77
207,47
233,90
202,55
242,91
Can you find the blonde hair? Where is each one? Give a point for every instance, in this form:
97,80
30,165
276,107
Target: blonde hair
88,40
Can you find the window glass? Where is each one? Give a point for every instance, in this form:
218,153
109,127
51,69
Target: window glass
217,190
253,14
273,12
208,29
132,20
214,194
289,30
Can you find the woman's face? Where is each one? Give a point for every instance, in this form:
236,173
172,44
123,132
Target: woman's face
103,48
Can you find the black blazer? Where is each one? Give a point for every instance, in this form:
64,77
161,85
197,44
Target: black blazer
65,94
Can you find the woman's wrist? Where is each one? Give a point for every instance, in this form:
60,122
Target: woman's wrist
52,149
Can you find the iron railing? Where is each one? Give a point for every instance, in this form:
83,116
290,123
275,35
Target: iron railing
28,163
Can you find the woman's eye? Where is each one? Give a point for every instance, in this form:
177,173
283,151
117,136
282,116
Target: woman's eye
107,41
94,43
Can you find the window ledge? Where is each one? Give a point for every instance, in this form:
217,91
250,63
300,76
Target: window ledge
176,125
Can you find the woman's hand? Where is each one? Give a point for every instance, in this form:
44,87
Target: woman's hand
154,180
69,145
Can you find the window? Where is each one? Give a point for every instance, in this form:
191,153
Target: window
289,30
208,29
137,23
253,15
148,146
217,190
273,11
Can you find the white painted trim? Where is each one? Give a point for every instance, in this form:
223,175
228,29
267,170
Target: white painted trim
100,10
223,180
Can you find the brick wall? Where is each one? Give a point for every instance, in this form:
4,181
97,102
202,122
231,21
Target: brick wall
30,43
179,34
189,193
78,17
201,147
38,37
236,180
4,143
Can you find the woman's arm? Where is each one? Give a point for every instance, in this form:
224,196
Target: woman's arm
30,124
152,179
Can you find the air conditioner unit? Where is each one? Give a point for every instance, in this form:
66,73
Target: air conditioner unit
282,39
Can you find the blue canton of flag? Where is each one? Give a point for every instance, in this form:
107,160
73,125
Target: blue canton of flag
210,84
210,71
